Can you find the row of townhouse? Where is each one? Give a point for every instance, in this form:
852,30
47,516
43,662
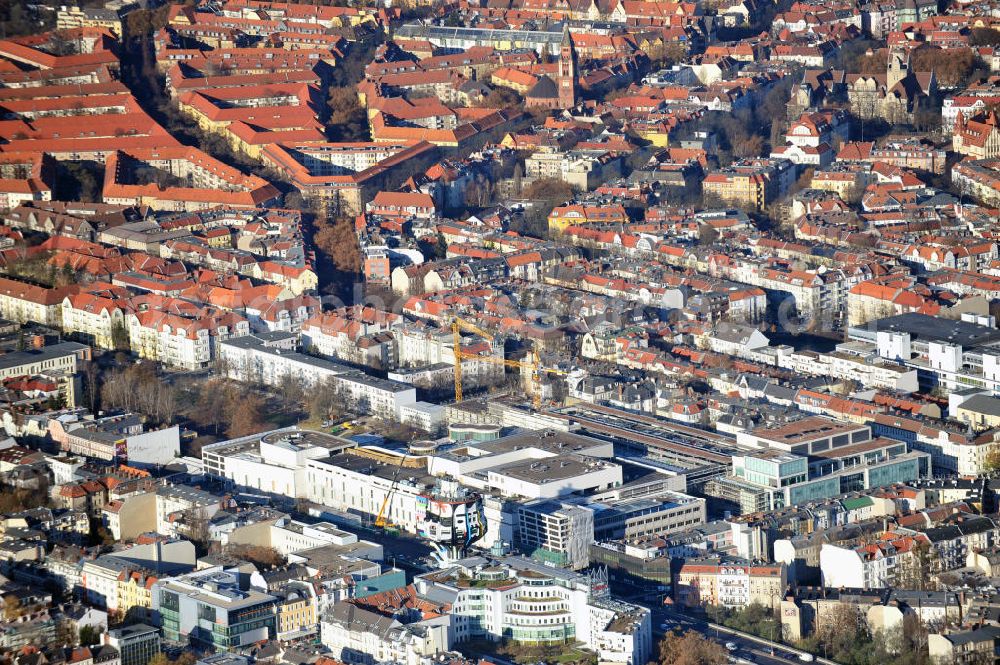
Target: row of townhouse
121,582
298,279
882,562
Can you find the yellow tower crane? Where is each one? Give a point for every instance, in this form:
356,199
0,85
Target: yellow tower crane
531,362
382,520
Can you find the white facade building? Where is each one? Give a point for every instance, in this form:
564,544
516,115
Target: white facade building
529,602
253,360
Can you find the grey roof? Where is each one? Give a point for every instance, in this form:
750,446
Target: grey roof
434,32
983,634
914,598
544,89
984,404
932,328
60,350
358,620
132,631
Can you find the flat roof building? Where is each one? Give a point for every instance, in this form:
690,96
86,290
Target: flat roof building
212,609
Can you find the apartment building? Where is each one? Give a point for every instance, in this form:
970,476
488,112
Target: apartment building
904,153
179,508
186,179
982,412
358,335
531,603
462,39
359,480
119,438
562,217
25,177
348,175
733,584
813,294
884,297
179,341
254,359
96,318
109,18
297,611
365,637
871,565
120,582
56,361
751,184
979,179
977,136
297,540
953,448
969,102
581,170
419,346
285,107
810,139
866,368
27,303
406,205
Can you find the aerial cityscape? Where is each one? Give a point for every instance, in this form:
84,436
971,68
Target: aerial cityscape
499,332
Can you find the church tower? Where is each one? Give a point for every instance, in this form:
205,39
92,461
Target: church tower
898,69
567,71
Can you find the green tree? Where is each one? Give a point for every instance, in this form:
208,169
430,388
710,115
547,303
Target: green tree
210,411
119,336
754,619
547,194
666,54
14,500
552,190
78,181
89,635
441,247
992,461
186,658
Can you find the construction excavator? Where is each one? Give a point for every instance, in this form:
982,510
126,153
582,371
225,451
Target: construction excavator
531,362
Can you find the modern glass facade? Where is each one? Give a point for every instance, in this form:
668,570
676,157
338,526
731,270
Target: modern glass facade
772,480
214,612
136,644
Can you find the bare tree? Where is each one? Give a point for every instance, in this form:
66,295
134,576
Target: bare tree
138,388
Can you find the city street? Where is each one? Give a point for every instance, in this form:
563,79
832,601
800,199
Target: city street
752,650
749,649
